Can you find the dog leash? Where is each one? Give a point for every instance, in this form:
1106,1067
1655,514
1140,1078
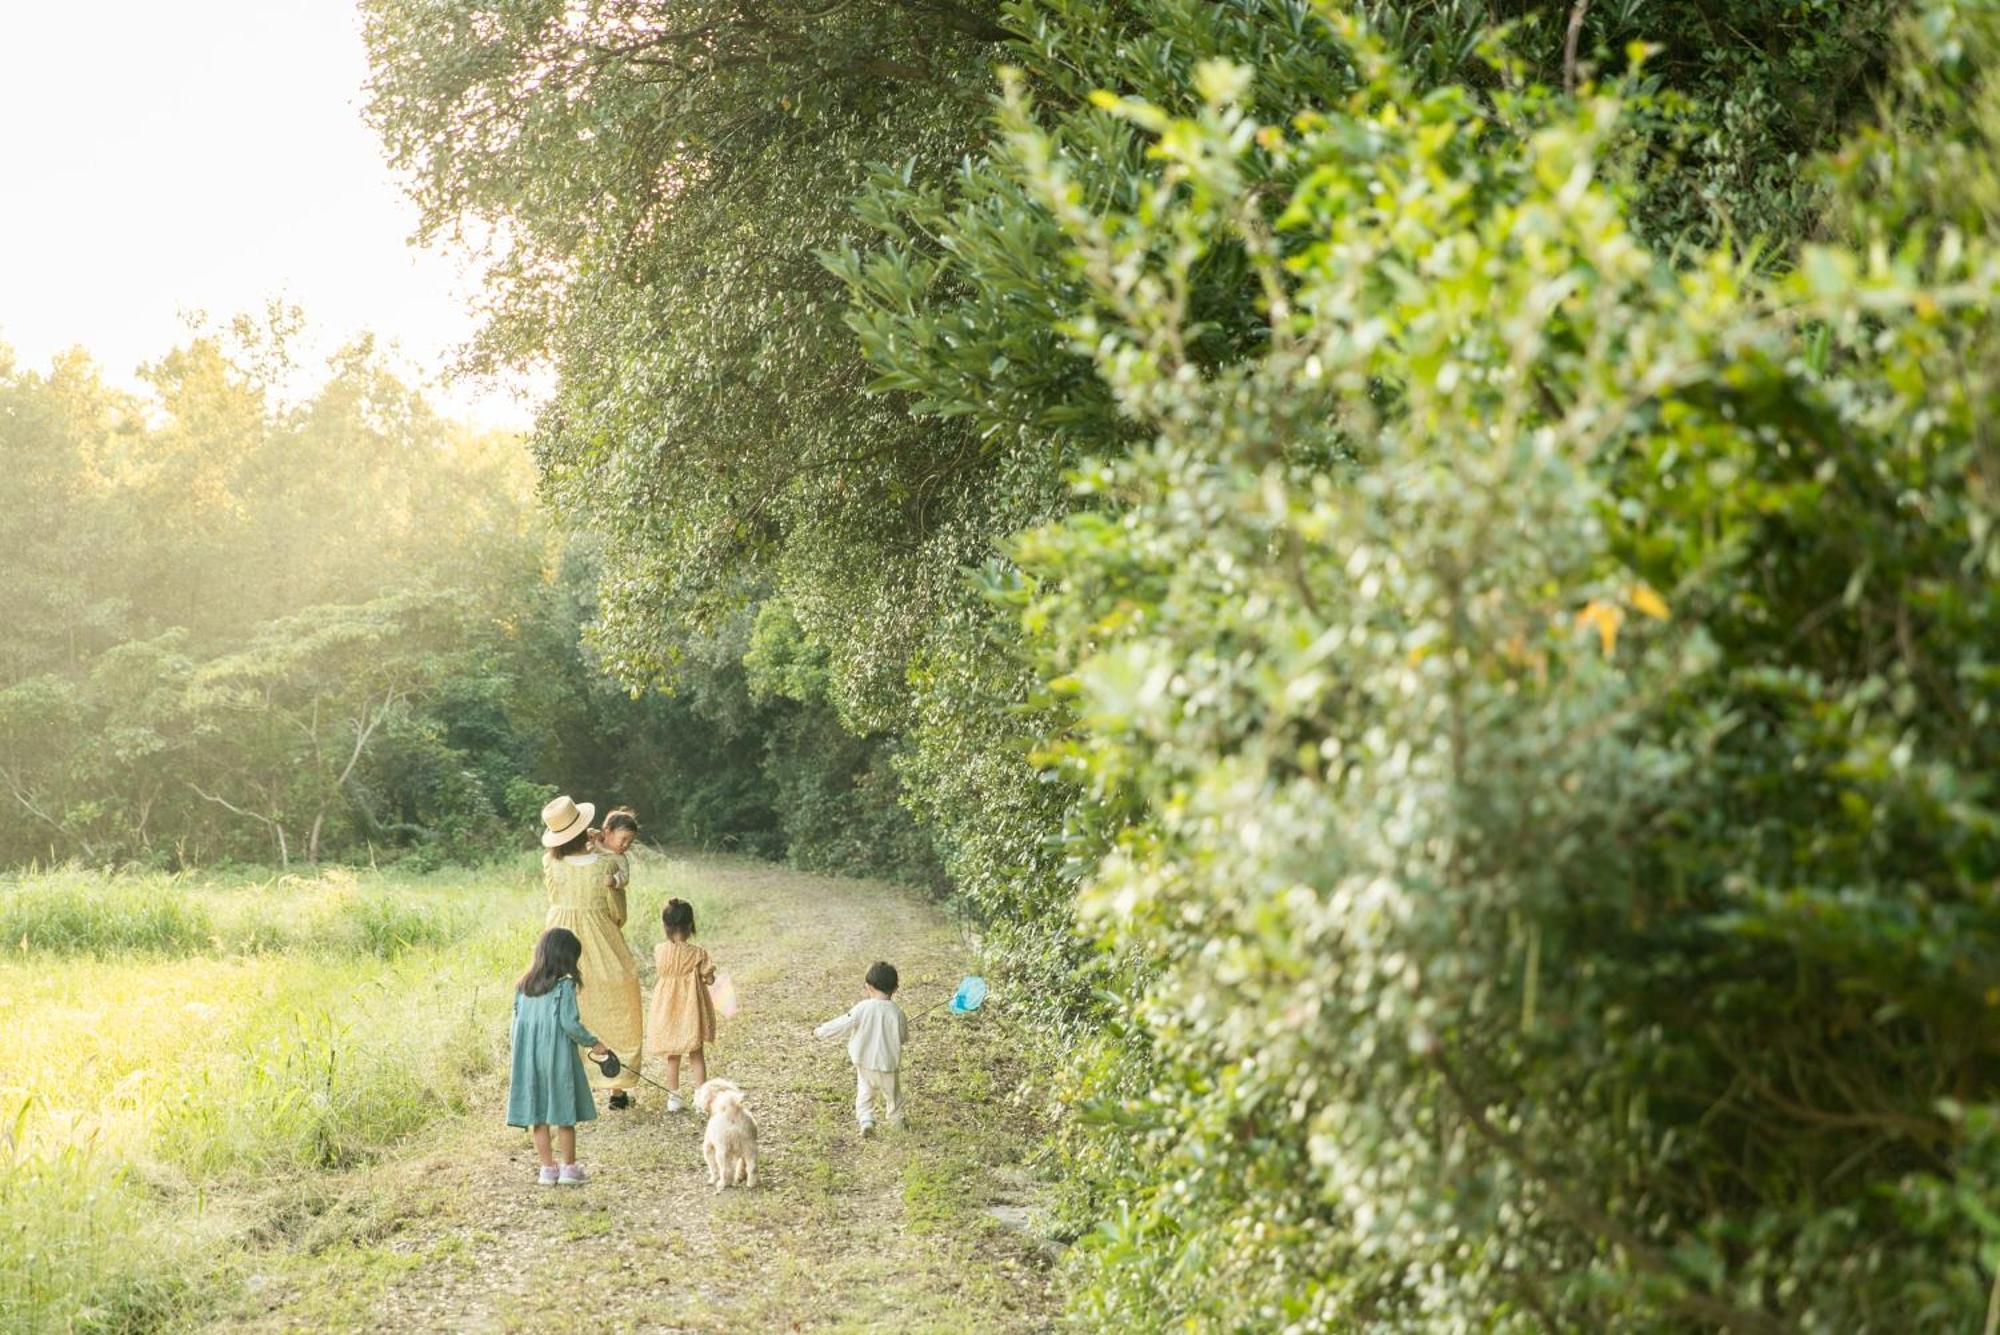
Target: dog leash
611,1066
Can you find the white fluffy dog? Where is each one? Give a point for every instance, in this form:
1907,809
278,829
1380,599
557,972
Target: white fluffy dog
729,1146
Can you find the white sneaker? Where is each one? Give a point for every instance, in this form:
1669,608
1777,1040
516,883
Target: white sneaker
673,1103
572,1175
548,1176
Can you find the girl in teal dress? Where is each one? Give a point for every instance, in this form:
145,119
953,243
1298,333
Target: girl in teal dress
548,1087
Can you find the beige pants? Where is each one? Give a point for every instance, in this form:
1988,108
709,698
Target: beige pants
867,1085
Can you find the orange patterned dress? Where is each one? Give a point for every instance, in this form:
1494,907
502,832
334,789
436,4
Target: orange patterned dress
683,1015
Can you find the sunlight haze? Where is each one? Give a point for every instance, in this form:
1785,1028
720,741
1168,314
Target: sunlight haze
209,157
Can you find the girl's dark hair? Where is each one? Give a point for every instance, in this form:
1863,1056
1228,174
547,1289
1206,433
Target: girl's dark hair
882,977
621,818
678,918
579,844
556,956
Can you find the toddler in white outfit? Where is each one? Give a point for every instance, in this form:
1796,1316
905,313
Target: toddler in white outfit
876,1048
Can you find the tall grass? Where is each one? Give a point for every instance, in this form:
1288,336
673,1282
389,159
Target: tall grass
224,1038
77,1248
76,917
319,1091
75,912
319,1100
385,927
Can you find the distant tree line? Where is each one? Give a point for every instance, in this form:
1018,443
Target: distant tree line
243,626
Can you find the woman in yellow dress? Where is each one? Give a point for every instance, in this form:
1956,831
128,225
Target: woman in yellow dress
582,898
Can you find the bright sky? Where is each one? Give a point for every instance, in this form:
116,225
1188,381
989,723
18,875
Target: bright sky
207,155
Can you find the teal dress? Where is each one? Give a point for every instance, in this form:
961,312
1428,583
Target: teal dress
548,1086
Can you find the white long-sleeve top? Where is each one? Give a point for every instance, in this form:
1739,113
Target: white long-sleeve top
878,1027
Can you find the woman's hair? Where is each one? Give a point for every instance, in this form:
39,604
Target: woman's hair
556,956
621,818
882,977
578,844
678,918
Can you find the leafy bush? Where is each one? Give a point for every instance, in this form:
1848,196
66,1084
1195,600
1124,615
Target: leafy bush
1553,691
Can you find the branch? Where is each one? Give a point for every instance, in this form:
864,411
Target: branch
1707,1307
1923,1134
228,805
21,796
1570,39
599,54
882,67
962,20
813,15
363,734
1295,561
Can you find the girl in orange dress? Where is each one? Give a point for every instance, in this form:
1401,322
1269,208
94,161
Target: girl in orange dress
682,1021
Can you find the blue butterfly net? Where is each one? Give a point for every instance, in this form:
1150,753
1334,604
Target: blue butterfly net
970,996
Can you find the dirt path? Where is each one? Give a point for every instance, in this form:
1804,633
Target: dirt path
894,1234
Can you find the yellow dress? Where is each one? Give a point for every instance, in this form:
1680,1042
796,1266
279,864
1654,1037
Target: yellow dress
621,870
683,1018
581,899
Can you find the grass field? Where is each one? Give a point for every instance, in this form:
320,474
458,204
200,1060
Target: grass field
180,1056
225,1099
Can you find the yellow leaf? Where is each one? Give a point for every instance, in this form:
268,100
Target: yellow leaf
1993,996
1649,602
1606,618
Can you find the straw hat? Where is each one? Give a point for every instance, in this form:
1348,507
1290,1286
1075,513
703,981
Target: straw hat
563,820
